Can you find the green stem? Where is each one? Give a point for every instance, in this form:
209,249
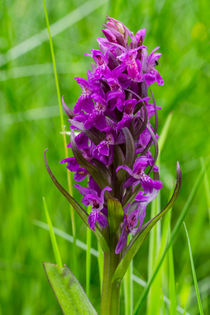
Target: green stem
110,300
115,299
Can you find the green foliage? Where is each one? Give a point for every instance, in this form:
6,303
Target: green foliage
194,273
70,295
52,236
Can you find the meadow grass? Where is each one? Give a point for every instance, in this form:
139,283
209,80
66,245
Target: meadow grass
30,122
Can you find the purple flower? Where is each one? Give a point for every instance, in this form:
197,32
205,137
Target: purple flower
104,147
112,117
138,176
134,219
148,66
97,203
132,63
85,101
73,166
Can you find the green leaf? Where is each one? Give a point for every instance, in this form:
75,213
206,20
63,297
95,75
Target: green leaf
52,236
194,273
80,211
164,132
171,276
69,181
115,214
130,147
206,185
69,293
139,238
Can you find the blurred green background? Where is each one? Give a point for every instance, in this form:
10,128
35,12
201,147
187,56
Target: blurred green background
29,122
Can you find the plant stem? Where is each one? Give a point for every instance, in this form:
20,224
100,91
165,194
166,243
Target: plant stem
110,300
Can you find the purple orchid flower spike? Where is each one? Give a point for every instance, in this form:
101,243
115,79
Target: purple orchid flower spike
114,97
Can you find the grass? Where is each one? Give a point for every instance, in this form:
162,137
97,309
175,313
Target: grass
194,273
74,258
56,251
30,122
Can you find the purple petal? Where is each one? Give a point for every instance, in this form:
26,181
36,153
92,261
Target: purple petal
82,141
94,201
100,122
83,84
159,79
148,184
125,122
68,111
93,186
84,190
141,197
122,241
103,148
80,174
84,103
132,219
140,164
103,192
139,37
102,220
72,164
130,182
92,220
109,35
150,78
126,168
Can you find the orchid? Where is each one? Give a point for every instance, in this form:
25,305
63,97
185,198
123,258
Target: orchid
112,150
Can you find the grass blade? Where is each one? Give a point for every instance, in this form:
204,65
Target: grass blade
52,236
66,236
194,273
171,240
164,132
153,300
207,188
88,260
68,291
74,256
171,277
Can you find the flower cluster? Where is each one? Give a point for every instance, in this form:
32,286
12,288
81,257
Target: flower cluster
112,132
